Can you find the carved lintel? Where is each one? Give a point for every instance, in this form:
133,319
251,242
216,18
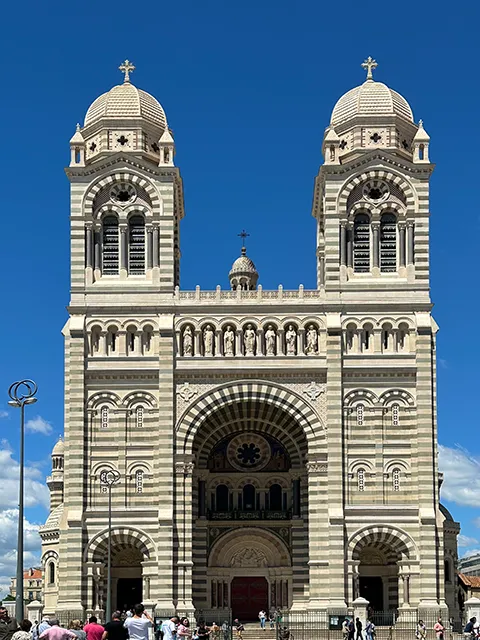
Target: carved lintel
316,466
187,391
313,391
184,467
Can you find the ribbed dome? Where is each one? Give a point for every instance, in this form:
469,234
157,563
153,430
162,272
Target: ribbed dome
243,264
125,101
243,274
370,99
59,448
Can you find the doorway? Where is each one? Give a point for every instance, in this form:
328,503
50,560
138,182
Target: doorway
248,597
129,592
371,588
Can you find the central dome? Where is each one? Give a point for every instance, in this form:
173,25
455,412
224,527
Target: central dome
370,99
123,102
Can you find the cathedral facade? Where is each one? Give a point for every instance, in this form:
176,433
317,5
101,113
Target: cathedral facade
270,448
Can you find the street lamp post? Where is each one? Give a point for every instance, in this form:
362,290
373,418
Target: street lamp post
109,478
21,394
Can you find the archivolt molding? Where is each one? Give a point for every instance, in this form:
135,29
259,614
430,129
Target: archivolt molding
390,465
355,465
382,536
124,176
143,398
249,391
122,537
227,546
49,555
103,397
357,396
376,174
397,395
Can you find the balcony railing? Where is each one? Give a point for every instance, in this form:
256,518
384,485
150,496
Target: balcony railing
251,514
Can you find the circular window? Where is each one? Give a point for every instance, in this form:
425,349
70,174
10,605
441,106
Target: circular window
248,451
376,191
123,193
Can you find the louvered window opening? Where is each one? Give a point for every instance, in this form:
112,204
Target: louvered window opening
388,243
136,246
110,246
360,415
139,417
361,244
105,417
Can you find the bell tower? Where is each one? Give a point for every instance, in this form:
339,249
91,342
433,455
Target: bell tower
371,197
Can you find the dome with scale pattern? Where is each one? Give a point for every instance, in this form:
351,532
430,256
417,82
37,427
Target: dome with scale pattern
370,99
124,102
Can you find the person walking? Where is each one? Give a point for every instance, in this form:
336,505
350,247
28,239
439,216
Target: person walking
139,624
24,632
370,630
40,628
439,629
203,632
76,627
359,628
469,631
351,629
239,628
115,628
93,630
345,624
262,616
215,631
183,629
56,632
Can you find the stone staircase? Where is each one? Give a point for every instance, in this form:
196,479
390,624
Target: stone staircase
253,632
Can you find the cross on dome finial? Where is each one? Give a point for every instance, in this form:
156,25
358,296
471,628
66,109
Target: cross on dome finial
127,67
369,64
243,235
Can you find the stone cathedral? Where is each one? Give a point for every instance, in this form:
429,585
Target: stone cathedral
274,448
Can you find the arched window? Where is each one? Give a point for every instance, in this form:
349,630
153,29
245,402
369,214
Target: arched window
51,573
403,337
448,577
131,340
361,243
147,339
396,479
387,337
139,481
95,341
222,495
361,479
248,495
110,246
360,415
275,497
105,417
395,415
136,245
388,243
112,340
139,417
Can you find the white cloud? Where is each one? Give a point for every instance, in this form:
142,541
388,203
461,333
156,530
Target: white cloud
470,552
3,414
461,476
36,494
466,541
39,425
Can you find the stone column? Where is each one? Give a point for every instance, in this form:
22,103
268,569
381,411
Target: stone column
321,271
149,261
318,533
349,246
202,511
34,611
197,345
97,253
89,246
156,246
183,483
343,243
301,342
239,343
218,343
123,250
280,343
376,244
360,610
260,343
402,248
296,497
410,243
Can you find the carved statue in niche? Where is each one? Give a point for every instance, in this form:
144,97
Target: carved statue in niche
208,336
187,342
249,557
312,341
229,341
270,340
249,340
291,340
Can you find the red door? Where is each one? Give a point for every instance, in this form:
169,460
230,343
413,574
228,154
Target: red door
248,596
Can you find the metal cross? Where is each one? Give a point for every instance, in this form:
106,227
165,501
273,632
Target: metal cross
369,64
127,67
243,235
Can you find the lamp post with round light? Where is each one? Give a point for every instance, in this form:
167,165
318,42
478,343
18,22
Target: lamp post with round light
109,477
21,393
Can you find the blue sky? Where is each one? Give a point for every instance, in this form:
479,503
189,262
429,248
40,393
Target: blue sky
248,89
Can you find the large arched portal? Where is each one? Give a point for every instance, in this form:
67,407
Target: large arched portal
248,447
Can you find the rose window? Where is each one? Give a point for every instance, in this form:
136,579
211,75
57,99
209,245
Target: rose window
248,451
